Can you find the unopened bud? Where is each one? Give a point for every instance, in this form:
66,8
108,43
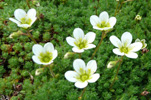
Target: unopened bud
39,71
15,34
111,64
68,55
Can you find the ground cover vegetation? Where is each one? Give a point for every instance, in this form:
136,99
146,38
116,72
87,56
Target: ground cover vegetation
25,73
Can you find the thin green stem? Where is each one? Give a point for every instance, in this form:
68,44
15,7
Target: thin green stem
30,36
52,73
96,49
116,8
80,97
80,55
27,1
121,60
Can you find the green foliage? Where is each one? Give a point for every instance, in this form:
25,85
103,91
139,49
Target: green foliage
56,19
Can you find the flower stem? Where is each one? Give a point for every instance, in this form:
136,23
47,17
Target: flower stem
27,1
80,55
102,37
30,36
116,8
80,97
52,73
121,60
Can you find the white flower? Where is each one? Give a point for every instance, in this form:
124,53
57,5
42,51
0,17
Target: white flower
103,22
83,73
124,47
143,43
44,55
24,20
81,42
138,17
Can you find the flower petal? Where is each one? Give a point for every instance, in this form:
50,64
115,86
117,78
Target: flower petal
94,78
112,21
102,29
55,54
90,37
90,46
48,63
13,20
104,16
92,66
70,41
115,41
78,33
135,46
71,76
75,49
36,60
31,13
49,47
118,52
126,39
79,65
33,20
79,84
94,20
19,13
23,25
37,49
132,55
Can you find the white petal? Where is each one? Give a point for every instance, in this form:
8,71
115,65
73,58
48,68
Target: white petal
37,49
132,55
90,46
31,13
19,13
102,29
118,52
79,84
48,63
135,46
112,21
104,16
36,60
94,20
13,20
55,54
49,47
91,65
90,37
79,64
70,41
78,33
115,41
33,20
71,76
126,39
23,25
94,78
75,49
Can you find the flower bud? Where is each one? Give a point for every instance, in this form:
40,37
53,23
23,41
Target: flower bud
15,34
111,64
143,42
39,71
68,55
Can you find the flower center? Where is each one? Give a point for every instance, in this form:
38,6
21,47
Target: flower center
45,57
80,43
124,49
103,24
84,77
26,20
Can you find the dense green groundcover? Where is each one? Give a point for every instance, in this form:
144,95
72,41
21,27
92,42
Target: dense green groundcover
56,20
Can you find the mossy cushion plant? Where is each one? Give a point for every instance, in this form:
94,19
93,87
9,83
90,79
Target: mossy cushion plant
55,20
